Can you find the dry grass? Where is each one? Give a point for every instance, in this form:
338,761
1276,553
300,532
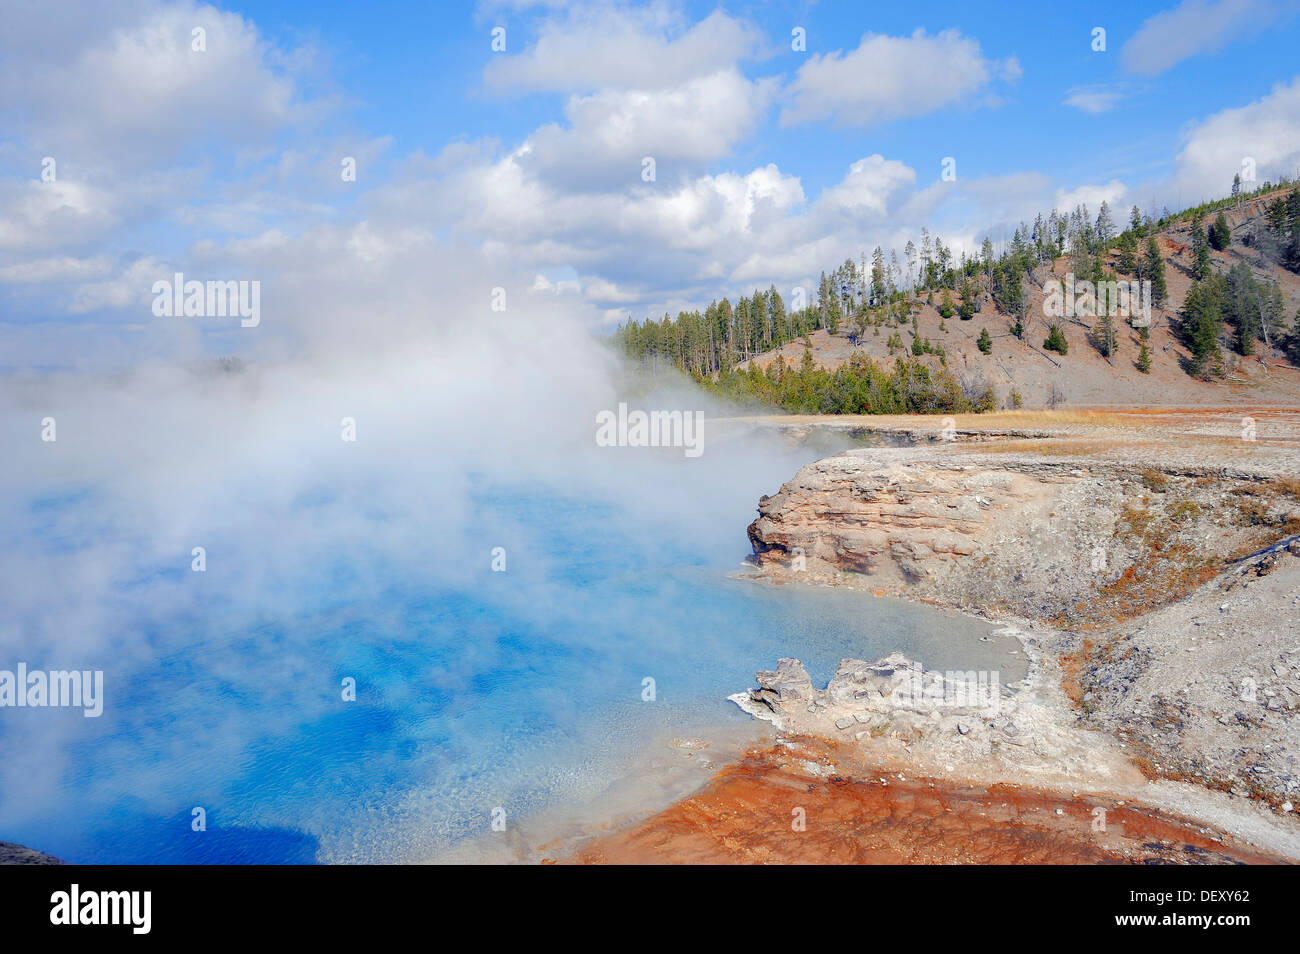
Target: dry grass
1048,447
1155,480
1137,518
1150,583
1041,419
1287,486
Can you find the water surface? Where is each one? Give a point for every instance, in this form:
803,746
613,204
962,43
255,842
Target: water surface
476,690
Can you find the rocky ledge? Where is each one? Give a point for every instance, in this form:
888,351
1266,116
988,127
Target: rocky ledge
11,854
1055,534
1130,566
938,720
892,717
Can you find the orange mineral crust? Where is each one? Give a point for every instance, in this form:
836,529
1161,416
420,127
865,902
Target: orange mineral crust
789,804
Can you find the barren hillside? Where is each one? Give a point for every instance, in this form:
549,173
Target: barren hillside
1084,376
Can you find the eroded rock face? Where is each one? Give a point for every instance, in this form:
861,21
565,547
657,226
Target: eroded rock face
897,514
863,695
1020,532
787,685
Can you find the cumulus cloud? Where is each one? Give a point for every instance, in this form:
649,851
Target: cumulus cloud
621,48
1093,195
651,247
888,77
1266,132
610,132
134,88
640,82
565,199
1197,27
868,186
119,129
45,215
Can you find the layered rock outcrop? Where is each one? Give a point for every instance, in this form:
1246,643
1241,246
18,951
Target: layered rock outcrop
1060,537
899,514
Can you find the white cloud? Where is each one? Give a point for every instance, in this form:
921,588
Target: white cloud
1112,193
61,269
131,288
36,215
141,128
618,48
888,77
567,203
612,131
1094,99
699,119
135,89
1196,27
1266,131
869,186
641,83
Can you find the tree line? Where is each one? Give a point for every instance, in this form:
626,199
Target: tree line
885,292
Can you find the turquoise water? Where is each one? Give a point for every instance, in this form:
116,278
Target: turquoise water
475,689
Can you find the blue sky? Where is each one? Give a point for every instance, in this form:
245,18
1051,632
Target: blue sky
523,167
417,74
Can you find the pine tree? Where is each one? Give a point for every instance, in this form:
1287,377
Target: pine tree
1220,234
1201,267
1243,307
1105,225
969,301
878,288
1055,340
1153,270
780,321
1144,359
1202,324
806,363
1271,313
945,305
985,341
1104,336
1127,263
